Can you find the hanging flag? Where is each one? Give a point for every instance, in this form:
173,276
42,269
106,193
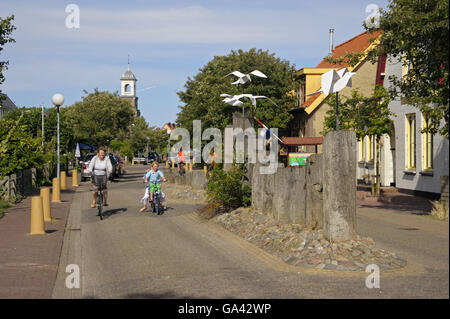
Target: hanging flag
77,151
266,130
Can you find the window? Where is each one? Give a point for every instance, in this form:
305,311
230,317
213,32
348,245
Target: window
362,149
411,141
127,88
427,146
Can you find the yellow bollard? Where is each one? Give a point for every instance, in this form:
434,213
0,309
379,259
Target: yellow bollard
63,181
132,163
167,163
205,169
56,191
173,164
45,194
75,178
37,216
190,167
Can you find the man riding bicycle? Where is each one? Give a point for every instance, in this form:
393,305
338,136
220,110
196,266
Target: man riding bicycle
100,166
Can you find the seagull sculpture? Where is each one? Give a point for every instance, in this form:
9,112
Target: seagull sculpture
235,100
334,81
244,78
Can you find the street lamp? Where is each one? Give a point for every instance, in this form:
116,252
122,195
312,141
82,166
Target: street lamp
57,100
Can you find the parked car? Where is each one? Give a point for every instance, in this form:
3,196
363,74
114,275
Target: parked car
115,167
85,165
140,159
172,157
153,156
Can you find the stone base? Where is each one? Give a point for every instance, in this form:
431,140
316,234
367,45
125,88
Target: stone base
301,246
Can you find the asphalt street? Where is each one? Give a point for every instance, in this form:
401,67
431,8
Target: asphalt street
131,254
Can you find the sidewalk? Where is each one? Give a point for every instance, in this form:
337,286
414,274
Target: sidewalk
29,264
395,201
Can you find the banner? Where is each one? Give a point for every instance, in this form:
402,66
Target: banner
298,159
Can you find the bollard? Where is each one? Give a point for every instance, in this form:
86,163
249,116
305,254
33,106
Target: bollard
45,194
205,169
63,181
190,167
173,164
75,178
56,191
167,163
132,163
37,216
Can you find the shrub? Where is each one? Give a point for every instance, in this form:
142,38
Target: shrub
229,188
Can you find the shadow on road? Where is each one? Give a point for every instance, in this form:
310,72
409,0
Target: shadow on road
111,212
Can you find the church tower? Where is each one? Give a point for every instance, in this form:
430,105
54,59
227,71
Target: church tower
128,88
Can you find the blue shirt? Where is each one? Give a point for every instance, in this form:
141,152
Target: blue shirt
153,177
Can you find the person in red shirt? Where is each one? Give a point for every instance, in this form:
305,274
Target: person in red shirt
181,158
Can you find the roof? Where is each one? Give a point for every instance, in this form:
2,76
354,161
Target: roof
356,44
359,43
6,102
295,141
128,75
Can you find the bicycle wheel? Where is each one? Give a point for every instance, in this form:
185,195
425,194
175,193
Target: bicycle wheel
100,204
157,205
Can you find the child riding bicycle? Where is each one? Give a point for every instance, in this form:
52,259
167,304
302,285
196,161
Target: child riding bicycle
152,180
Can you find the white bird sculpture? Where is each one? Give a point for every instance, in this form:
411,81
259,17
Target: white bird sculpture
334,81
244,78
235,99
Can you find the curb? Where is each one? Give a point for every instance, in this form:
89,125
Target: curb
70,251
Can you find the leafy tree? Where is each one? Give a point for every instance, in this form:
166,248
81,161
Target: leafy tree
417,33
6,28
366,116
18,149
32,120
202,100
158,139
100,118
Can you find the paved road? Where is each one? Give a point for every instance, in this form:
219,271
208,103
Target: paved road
139,255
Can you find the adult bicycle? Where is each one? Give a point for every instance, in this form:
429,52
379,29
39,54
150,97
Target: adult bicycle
100,183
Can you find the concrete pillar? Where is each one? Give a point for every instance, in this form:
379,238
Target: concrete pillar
339,189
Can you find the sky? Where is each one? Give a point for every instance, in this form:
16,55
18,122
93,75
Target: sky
168,41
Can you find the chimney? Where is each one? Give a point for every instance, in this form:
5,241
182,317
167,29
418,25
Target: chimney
331,41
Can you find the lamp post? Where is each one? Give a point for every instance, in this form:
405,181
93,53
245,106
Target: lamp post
57,100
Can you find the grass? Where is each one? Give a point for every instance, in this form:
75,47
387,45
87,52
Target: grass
3,206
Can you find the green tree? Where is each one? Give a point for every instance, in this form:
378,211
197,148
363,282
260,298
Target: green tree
18,149
417,33
6,28
202,100
367,116
100,118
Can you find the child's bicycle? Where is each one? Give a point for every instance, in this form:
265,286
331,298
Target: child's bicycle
156,203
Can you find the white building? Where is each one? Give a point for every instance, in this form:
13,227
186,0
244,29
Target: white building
411,161
128,89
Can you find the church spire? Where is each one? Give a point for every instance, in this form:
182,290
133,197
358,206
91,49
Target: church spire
128,62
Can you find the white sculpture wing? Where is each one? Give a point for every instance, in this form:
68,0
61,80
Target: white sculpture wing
236,73
259,74
328,80
343,82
